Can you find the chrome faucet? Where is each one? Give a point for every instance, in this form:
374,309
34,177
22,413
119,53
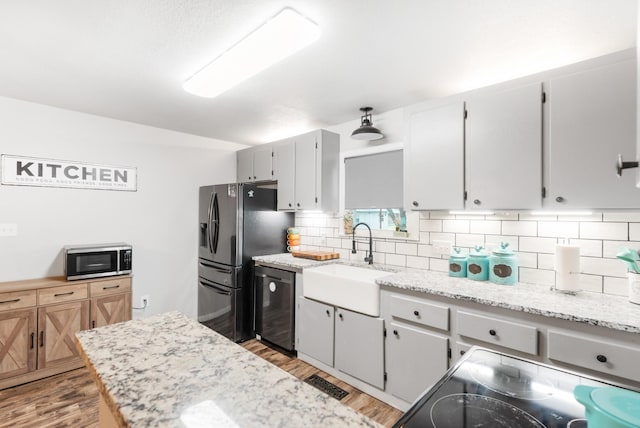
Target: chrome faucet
369,257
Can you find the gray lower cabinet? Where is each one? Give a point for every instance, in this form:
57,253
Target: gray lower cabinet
415,360
315,330
359,346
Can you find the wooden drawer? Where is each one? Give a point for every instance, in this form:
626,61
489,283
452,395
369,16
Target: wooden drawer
420,312
508,334
18,300
112,286
596,354
65,293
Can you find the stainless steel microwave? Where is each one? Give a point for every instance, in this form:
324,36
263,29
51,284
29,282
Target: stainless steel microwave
98,260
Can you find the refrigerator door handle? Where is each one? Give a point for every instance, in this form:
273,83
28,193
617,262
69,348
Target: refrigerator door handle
214,267
218,289
209,214
216,222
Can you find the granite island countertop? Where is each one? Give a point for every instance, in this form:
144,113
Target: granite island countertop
170,371
615,312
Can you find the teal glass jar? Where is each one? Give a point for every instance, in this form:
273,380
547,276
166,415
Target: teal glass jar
503,265
457,264
478,264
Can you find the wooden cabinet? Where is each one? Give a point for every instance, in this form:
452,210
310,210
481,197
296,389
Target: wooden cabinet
255,164
110,301
284,168
315,330
39,319
17,342
57,326
434,158
359,346
503,153
592,119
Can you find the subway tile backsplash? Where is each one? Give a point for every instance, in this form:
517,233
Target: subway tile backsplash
600,237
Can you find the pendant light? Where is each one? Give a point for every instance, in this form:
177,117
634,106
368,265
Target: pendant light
366,131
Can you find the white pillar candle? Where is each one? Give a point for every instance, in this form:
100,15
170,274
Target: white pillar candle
567,267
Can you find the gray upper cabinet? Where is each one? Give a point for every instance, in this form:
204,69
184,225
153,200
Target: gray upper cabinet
255,164
503,163
317,156
434,158
284,158
592,119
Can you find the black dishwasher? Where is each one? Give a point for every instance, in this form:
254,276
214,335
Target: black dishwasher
275,306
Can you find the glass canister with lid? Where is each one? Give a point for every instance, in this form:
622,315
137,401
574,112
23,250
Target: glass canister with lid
457,264
503,265
478,264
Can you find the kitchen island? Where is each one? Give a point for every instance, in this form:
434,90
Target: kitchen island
170,371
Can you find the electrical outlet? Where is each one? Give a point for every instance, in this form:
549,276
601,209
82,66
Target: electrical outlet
8,229
144,301
442,247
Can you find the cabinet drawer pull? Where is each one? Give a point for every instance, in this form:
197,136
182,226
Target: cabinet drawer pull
477,201
11,301
560,199
601,358
63,294
33,338
113,286
93,324
492,332
41,338
416,313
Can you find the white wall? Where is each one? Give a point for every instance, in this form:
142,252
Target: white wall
159,220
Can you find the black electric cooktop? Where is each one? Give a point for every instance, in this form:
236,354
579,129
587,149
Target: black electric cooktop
490,389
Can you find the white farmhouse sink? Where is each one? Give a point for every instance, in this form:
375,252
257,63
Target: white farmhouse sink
348,287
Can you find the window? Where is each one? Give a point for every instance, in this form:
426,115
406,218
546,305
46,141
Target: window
394,219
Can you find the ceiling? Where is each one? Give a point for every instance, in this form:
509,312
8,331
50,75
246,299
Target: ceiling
127,59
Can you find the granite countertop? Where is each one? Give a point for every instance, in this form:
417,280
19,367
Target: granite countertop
604,310
168,370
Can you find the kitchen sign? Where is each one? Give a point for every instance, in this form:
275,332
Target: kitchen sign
28,171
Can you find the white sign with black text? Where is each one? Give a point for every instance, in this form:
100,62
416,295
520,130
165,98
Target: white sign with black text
28,171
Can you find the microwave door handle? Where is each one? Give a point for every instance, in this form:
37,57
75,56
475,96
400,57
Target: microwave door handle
216,223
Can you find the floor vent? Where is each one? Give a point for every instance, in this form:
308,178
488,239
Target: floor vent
326,387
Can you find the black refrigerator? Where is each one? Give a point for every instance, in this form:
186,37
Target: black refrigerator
237,222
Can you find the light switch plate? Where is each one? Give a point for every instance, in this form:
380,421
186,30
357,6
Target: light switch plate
442,247
8,229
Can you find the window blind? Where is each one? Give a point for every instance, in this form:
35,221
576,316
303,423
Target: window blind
373,181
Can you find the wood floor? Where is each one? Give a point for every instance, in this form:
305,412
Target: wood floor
71,399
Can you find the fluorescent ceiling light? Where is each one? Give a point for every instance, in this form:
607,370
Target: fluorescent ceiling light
580,213
281,36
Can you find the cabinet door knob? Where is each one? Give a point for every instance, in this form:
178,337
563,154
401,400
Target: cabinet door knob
620,165
416,313
289,204
298,204
328,313
462,352
601,358
415,203
477,201
254,177
560,199
395,332
340,315
492,332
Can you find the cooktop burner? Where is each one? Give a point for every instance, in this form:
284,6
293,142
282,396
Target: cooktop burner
490,389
